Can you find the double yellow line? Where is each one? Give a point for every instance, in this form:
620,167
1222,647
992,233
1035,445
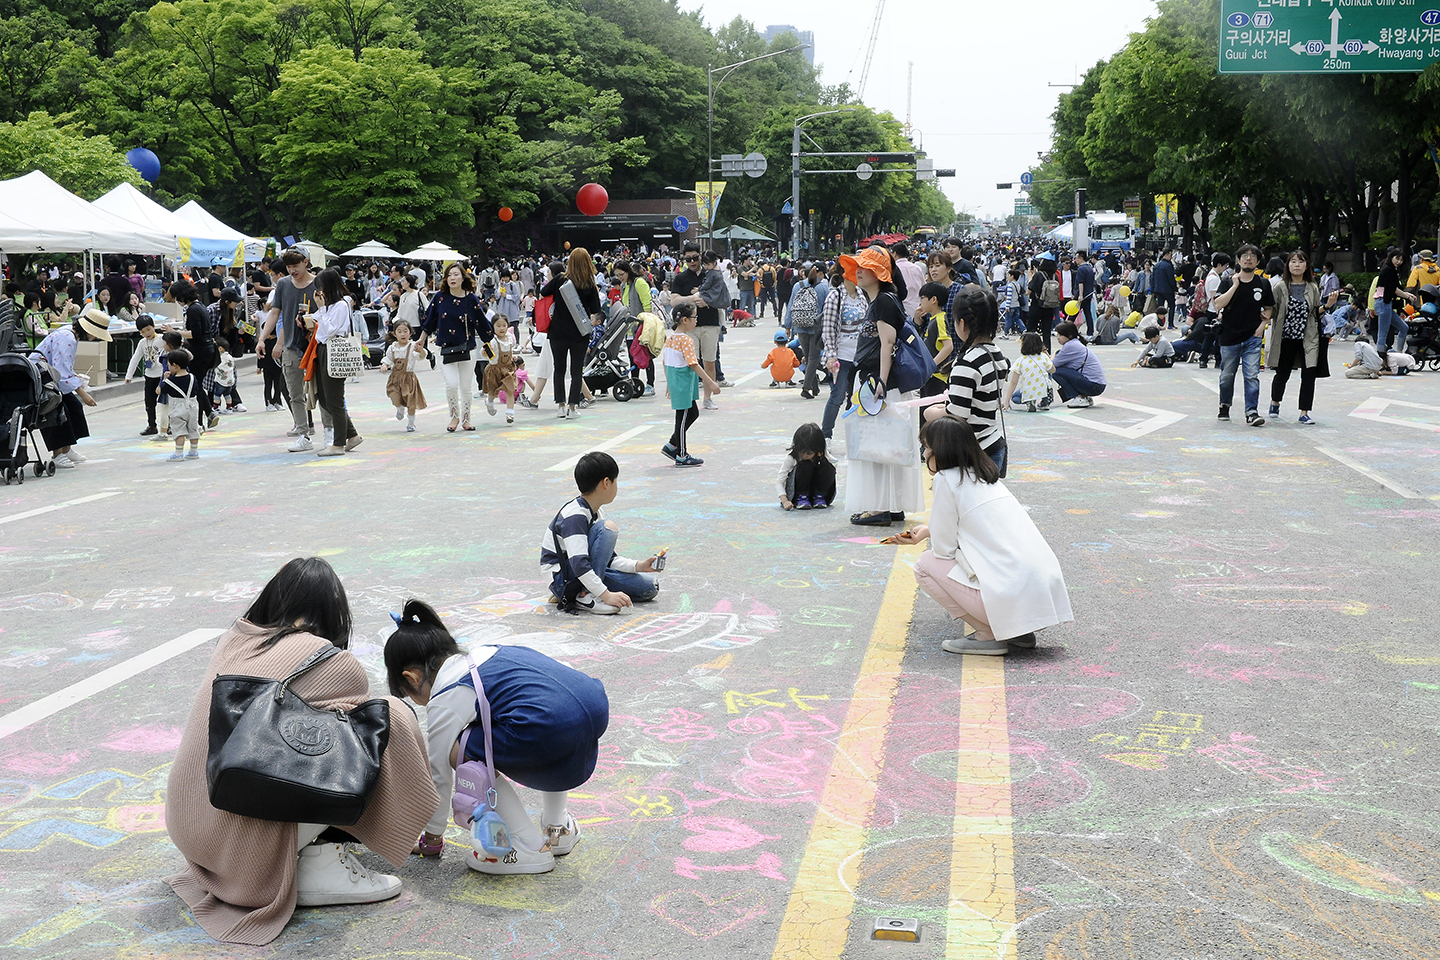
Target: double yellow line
981,915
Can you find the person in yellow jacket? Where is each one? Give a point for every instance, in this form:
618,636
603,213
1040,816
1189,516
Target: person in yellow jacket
1425,272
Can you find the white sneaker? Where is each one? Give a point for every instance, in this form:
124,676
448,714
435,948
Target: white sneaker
63,462
490,406
1079,402
711,405
399,413
590,605
329,436
75,456
302,444
562,840
294,432
239,408
518,861
561,414
985,648
330,873
410,424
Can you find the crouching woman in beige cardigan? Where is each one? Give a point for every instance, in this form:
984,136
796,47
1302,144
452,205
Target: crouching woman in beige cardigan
244,877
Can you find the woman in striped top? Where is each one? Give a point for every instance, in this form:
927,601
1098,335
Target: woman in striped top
979,374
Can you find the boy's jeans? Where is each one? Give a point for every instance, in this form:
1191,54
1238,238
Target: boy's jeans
1248,355
639,586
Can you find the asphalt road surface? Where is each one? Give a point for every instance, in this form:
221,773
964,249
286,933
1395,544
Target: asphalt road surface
1230,754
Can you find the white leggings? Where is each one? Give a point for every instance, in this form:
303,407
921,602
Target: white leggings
459,385
553,810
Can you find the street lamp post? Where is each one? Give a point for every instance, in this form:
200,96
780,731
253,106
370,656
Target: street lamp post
711,85
795,178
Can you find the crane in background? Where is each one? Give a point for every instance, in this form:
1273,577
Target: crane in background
870,50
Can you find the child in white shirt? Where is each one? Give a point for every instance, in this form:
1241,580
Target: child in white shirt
1030,377
149,352
224,387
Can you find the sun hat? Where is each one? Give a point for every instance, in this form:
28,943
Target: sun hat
1427,254
874,259
95,322
780,337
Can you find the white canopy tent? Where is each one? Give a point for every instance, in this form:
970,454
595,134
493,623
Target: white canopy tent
192,245
40,216
372,248
1065,231
435,251
205,223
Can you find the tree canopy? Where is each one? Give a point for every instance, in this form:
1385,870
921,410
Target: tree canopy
411,120
1251,157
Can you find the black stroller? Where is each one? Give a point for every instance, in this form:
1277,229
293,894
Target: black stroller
27,404
608,364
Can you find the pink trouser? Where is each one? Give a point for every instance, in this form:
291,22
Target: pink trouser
960,601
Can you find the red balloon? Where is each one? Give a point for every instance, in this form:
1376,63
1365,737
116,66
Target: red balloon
506,213
592,199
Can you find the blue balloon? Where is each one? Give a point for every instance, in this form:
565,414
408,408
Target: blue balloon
145,162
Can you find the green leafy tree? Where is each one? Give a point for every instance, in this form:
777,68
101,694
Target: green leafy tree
84,165
374,147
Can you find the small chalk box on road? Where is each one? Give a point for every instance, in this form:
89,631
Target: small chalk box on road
896,928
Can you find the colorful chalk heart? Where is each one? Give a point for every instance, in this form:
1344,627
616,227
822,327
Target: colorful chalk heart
703,917
719,834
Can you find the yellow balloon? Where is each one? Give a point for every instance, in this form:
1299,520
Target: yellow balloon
1072,308
1124,291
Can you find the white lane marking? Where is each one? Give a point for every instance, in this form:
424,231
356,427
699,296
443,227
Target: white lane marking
569,463
1374,409
1158,419
18,720
59,506
1378,477
748,377
1208,384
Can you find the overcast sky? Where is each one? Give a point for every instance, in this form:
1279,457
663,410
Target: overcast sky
1004,54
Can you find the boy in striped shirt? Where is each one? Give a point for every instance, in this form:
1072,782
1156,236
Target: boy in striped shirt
578,549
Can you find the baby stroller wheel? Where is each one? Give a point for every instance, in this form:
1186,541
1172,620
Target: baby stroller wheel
621,391
50,469
1435,364
39,469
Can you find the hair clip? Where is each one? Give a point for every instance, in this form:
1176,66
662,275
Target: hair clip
397,618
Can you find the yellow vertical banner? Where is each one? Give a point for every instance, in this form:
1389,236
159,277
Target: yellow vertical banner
1167,209
704,205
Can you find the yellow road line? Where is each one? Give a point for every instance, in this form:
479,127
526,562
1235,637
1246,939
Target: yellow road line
817,919
980,921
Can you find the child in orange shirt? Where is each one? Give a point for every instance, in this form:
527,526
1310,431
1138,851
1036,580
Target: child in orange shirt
782,362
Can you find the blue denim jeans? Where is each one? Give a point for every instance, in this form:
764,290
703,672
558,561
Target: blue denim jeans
639,586
1387,317
839,393
1248,355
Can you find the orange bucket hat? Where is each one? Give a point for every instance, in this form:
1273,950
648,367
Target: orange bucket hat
874,259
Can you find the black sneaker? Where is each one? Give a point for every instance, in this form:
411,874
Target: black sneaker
1254,419
685,460
669,452
149,432
1224,412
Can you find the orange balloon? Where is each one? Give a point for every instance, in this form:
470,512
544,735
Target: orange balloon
506,214
567,244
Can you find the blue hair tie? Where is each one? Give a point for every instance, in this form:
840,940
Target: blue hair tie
397,618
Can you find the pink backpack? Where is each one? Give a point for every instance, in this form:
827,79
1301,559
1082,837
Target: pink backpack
474,800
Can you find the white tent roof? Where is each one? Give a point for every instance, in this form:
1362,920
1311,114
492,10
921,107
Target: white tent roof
206,223
436,251
40,216
1063,232
372,248
194,245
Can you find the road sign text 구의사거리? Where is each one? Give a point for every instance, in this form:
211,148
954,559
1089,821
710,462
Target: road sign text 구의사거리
1329,36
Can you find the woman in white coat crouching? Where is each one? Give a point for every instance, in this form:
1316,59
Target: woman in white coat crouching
987,564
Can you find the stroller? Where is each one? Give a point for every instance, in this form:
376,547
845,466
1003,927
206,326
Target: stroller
1424,341
607,365
26,405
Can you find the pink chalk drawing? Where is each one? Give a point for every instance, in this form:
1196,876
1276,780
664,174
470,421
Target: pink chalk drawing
1234,755
35,764
41,602
720,629
705,917
153,738
1043,707
721,835
681,726
767,865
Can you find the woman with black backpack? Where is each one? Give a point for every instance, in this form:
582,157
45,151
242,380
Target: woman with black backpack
201,343
1044,297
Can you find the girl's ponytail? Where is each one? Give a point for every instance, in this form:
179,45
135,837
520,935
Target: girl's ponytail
420,640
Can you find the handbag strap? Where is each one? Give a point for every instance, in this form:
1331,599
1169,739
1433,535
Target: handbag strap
314,660
483,705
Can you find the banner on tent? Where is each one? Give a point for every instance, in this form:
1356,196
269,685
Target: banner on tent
201,252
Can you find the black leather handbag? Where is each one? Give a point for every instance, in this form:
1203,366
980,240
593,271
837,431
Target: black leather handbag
275,757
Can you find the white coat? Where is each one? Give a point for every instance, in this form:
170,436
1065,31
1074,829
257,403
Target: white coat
982,527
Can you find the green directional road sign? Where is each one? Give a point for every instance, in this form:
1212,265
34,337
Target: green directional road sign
1328,36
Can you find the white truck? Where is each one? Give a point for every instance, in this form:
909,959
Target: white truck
1105,231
